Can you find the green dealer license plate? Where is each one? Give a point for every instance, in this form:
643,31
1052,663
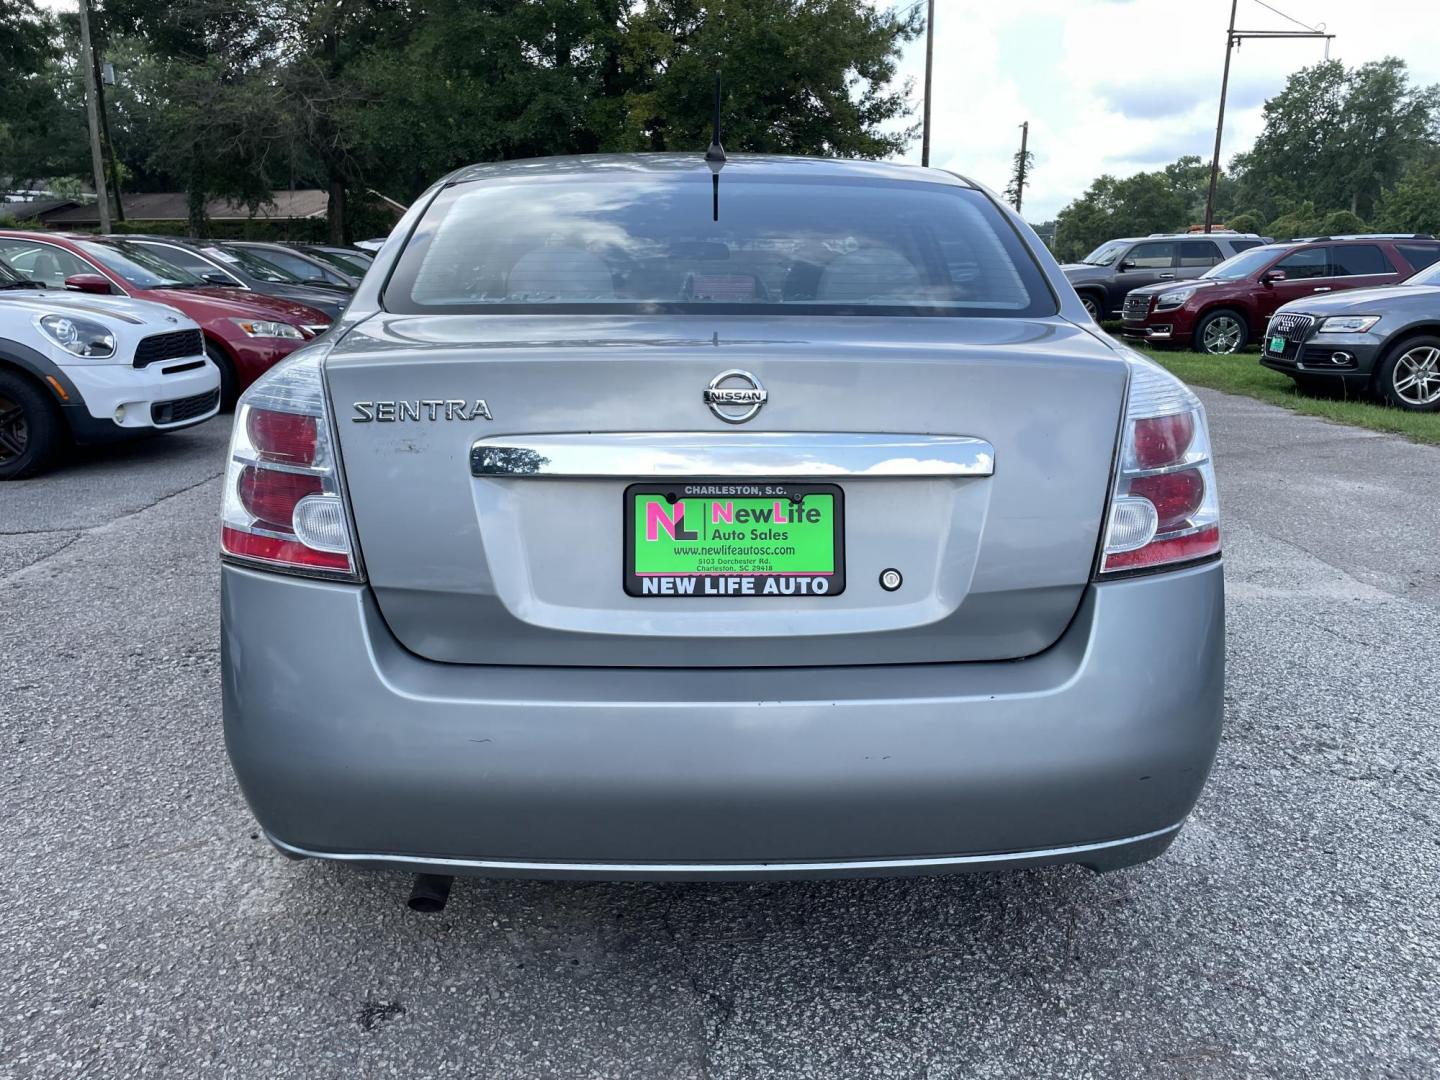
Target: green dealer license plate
1277,345
718,538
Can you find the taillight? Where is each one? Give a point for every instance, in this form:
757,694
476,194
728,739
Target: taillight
284,508
1164,509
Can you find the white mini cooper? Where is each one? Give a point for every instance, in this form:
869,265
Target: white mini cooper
84,369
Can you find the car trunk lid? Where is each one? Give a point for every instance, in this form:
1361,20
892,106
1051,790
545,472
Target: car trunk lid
974,460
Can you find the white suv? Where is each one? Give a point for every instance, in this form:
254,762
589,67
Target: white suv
76,368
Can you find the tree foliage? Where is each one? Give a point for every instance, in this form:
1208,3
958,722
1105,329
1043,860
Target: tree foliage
1412,205
236,98
1339,138
1135,206
1343,150
1022,165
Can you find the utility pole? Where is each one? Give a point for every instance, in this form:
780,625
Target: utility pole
87,62
1233,38
105,76
1023,159
929,63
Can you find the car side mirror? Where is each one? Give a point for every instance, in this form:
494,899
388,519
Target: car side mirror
217,278
91,283
1128,264
1272,276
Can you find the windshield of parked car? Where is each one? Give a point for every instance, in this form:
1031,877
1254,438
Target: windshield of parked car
141,268
258,267
1105,254
650,241
346,264
9,279
1241,266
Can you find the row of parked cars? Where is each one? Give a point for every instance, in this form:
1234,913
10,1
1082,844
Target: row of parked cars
1357,312
107,337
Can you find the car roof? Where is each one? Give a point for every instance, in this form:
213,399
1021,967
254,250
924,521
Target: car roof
1217,235
603,165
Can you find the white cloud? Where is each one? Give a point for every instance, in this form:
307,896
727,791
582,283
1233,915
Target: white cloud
1123,85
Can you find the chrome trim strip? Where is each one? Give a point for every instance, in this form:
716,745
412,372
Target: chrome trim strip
779,455
777,869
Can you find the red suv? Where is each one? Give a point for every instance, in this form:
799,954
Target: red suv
1228,307
245,333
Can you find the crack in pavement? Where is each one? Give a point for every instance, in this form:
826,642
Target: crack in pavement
17,574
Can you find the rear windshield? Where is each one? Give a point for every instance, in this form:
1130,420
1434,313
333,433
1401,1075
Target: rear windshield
650,242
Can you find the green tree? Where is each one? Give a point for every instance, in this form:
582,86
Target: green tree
391,93
1341,223
1338,138
1137,205
42,120
1413,205
1248,221
800,76
1299,219
1022,165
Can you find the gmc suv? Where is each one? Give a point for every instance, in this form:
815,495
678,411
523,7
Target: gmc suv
1227,307
1104,276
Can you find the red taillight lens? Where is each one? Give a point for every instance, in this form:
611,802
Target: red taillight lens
1176,495
1160,552
270,495
271,549
1163,440
281,436
284,508
1164,508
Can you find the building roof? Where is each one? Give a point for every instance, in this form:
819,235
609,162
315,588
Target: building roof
26,209
174,206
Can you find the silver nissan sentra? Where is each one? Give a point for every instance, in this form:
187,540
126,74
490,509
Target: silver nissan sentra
650,517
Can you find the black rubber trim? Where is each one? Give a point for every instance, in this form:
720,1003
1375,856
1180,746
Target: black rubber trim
38,365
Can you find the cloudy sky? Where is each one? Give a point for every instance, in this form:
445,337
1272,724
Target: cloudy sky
1120,86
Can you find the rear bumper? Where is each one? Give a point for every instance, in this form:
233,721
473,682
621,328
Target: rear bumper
348,747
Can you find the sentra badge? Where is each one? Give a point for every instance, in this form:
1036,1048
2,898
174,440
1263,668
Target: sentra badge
389,412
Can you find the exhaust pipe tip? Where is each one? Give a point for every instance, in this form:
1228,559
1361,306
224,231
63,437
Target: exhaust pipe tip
430,893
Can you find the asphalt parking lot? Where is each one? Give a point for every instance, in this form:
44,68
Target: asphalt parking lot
1292,931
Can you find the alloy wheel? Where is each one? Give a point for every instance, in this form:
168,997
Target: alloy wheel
1222,335
14,432
1092,307
1416,376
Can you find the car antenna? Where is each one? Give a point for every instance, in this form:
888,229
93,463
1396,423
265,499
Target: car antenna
715,156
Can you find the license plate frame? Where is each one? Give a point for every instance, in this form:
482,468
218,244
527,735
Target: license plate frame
754,578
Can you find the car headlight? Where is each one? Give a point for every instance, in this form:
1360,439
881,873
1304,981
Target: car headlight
261,328
1169,300
1347,324
80,337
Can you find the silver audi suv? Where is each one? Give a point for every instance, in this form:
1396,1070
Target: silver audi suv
655,517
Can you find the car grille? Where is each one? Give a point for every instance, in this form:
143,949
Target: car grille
152,350
1291,327
185,408
1136,308
1292,330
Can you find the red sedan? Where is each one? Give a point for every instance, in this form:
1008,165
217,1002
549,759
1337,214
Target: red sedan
246,333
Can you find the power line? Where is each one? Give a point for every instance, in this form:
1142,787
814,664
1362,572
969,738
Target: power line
1288,18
